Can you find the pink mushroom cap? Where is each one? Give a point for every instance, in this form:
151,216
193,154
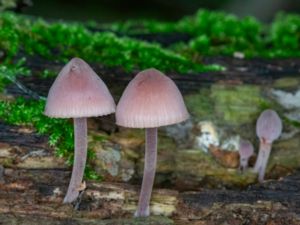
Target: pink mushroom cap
246,149
78,92
151,99
268,126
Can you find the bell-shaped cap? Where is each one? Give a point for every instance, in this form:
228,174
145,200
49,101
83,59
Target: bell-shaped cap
246,149
151,99
268,126
78,92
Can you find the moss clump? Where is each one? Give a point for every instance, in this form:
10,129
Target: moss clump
136,27
201,105
284,36
30,113
237,104
49,41
287,83
8,73
216,32
212,33
232,105
221,33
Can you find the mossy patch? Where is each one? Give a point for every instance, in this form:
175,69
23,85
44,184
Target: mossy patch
206,171
287,83
229,104
237,104
200,104
30,113
48,40
220,33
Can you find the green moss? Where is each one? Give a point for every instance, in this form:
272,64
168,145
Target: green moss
200,105
136,26
293,123
221,33
230,104
216,32
237,104
284,35
49,41
287,83
213,33
30,113
207,170
8,72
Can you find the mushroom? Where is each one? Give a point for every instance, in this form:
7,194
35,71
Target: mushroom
246,150
78,93
268,129
149,101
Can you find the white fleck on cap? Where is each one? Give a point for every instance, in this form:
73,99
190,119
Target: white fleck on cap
78,92
151,99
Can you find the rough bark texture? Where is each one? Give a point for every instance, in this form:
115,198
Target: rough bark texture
33,195
238,71
33,181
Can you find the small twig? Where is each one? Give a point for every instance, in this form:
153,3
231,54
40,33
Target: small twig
37,153
25,89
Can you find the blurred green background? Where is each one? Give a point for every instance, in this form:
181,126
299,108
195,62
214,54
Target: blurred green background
113,10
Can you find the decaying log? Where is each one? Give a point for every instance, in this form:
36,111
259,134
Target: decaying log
238,71
38,194
22,148
33,181
33,193
38,220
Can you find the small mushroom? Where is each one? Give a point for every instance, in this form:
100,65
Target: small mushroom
149,101
268,129
78,92
246,150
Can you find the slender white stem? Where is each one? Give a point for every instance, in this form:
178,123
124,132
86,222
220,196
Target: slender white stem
80,154
258,160
243,164
265,148
143,209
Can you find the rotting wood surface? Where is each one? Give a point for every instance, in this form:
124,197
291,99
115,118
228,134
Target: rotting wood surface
238,71
34,196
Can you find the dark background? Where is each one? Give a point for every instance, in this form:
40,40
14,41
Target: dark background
166,10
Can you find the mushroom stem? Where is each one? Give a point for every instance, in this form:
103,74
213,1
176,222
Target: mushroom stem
264,153
258,161
80,140
243,164
149,173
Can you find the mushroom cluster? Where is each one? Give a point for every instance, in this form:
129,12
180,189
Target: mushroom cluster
268,129
149,101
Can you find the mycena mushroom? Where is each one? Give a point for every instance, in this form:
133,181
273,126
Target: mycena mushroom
246,150
78,93
268,129
149,101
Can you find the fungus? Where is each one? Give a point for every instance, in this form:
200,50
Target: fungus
149,101
246,150
268,129
78,93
